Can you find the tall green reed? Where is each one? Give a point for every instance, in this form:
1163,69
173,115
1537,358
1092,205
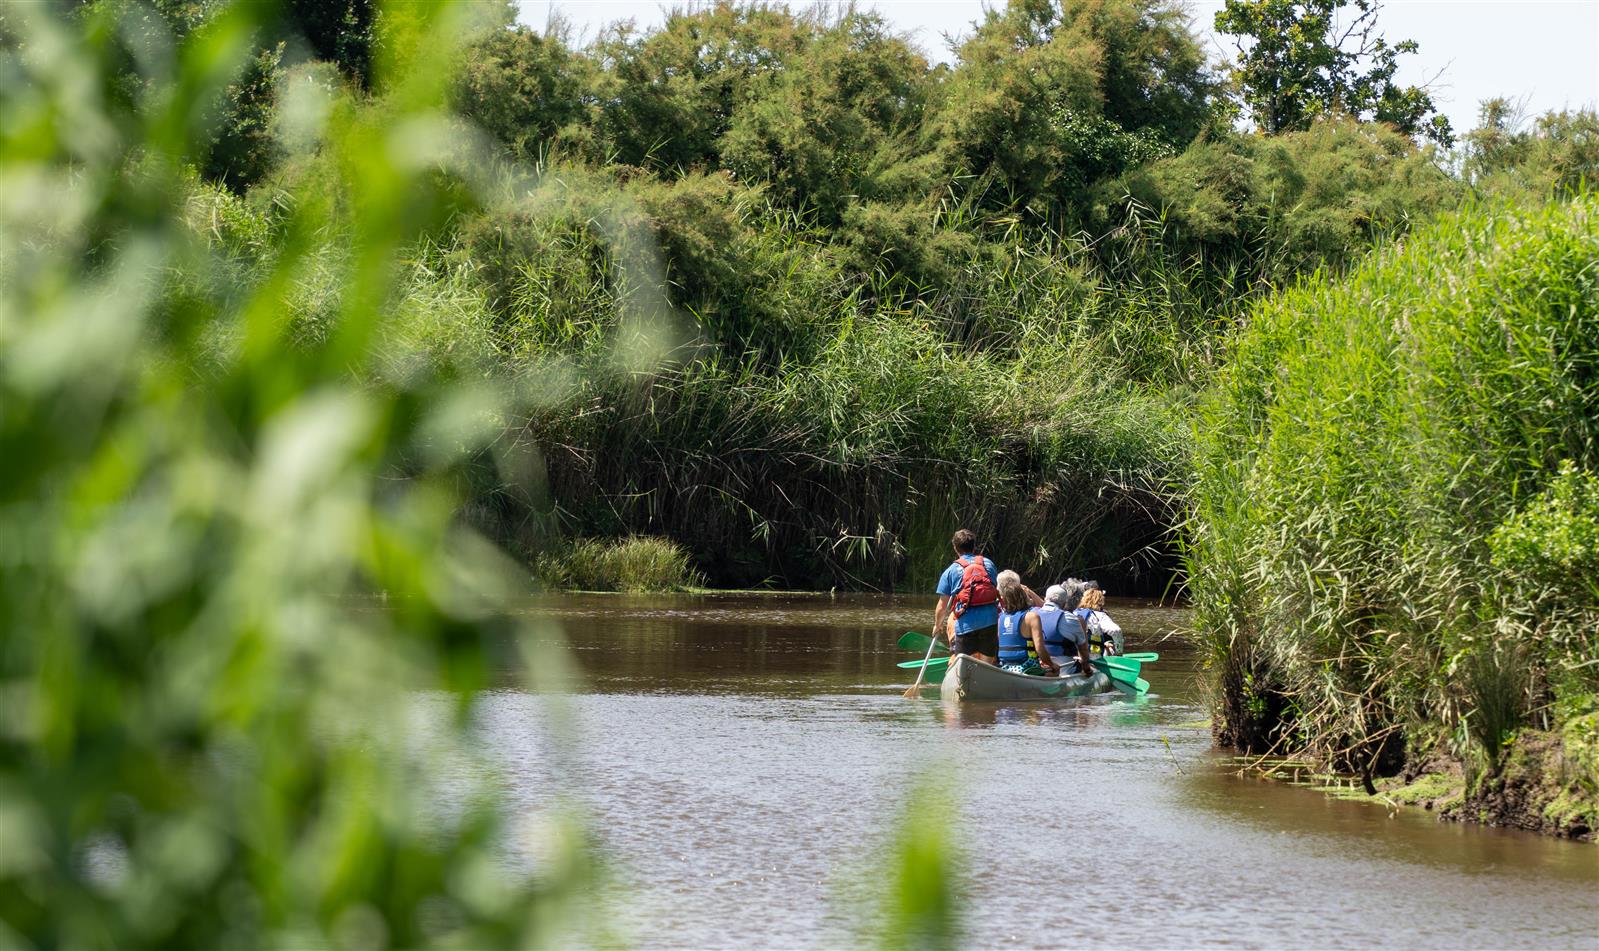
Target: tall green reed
1369,436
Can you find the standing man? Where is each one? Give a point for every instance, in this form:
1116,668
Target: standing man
968,602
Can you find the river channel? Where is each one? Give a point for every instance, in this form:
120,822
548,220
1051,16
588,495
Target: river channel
743,762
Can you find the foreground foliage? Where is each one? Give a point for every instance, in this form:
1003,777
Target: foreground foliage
237,574
204,701
1395,503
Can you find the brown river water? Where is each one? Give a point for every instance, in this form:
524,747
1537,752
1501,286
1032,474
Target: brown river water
743,762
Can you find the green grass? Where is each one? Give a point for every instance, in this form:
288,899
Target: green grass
1437,789
630,564
1353,463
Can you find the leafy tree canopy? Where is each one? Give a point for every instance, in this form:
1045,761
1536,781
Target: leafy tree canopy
669,95
835,124
1050,96
1298,61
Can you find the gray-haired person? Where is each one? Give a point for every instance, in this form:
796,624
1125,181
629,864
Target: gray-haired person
1065,634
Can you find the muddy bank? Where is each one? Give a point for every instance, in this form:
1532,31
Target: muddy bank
1544,782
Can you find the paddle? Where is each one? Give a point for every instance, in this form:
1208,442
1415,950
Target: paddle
1122,676
1121,679
912,641
915,690
935,662
1122,663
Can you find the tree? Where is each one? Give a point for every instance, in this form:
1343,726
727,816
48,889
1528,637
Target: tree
243,147
836,122
669,94
1557,152
1053,95
1298,61
523,87
338,31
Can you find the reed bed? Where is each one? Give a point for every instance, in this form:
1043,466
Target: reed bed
703,369
1370,552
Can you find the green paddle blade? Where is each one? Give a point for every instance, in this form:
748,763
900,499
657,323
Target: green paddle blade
1149,657
934,664
1123,677
1122,663
1120,679
912,641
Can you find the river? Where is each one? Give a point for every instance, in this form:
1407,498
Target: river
743,762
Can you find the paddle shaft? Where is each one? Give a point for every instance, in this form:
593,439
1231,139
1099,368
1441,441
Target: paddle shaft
916,688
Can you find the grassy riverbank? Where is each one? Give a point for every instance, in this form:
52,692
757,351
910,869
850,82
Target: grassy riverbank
1396,516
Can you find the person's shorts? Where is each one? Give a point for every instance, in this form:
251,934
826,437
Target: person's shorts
982,640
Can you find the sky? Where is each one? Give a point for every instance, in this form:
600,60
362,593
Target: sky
1541,53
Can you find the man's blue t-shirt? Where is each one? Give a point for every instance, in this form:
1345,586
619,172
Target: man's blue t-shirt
977,616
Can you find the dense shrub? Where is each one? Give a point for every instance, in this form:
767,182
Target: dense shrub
523,88
1278,207
1551,546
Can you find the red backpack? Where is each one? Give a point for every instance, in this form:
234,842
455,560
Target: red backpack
977,588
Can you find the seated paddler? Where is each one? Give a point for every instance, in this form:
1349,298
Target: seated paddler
1021,637
1065,635
1104,634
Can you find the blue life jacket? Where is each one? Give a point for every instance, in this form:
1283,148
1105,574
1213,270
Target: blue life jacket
1014,645
1052,620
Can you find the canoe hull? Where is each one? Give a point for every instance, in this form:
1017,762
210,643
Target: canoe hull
969,679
